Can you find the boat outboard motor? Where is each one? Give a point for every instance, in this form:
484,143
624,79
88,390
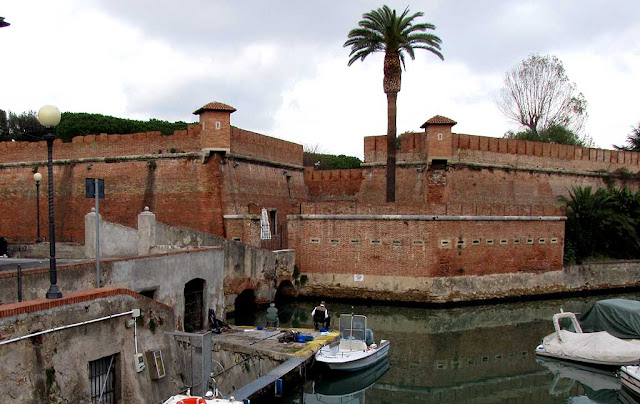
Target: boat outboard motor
368,336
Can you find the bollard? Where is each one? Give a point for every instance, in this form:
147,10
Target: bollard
19,283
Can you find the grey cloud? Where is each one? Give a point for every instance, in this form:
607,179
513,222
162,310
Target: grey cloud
487,36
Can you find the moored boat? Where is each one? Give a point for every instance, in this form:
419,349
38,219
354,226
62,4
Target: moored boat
189,399
630,380
595,348
355,349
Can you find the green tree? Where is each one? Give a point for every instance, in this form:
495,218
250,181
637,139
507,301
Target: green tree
329,161
77,123
382,30
633,140
23,127
555,134
4,126
537,94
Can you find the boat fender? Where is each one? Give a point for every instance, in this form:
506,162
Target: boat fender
373,346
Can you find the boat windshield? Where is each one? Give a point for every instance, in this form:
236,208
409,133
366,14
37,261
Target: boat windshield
352,327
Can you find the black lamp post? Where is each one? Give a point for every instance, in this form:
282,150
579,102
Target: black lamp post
49,117
37,178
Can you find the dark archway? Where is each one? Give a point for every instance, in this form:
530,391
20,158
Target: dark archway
245,308
194,305
4,246
286,292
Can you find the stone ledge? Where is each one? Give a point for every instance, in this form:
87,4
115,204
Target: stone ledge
32,306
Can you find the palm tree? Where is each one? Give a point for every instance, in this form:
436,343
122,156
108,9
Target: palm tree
602,223
382,30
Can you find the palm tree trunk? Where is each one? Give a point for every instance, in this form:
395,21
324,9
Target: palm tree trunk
391,146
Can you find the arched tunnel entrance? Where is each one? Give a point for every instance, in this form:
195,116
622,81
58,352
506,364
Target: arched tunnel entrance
194,305
245,308
286,292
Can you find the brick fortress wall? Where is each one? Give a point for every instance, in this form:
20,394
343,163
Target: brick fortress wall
170,174
482,177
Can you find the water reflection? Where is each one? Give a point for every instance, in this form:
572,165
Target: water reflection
600,385
348,388
480,354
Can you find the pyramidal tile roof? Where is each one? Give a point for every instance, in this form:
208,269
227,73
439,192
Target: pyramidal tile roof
439,120
215,106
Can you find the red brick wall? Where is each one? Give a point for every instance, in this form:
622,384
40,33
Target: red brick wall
254,144
104,146
249,184
182,192
418,189
328,246
215,138
490,150
439,142
339,185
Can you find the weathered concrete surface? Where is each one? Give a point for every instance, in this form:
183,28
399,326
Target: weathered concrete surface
576,278
54,367
116,240
167,274
41,250
261,270
246,353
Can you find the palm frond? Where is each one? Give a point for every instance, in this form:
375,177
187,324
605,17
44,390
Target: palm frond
385,30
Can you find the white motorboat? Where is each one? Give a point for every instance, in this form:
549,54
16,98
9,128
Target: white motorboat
189,399
630,380
595,348
356,348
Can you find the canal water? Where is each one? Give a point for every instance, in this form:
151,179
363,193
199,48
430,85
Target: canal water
477,354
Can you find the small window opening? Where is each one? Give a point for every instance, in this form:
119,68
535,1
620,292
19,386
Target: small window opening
273,215
438,164
150,293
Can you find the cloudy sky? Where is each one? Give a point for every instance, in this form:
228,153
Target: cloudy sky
281,64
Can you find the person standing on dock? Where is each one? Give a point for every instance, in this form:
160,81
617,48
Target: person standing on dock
321,316
272,316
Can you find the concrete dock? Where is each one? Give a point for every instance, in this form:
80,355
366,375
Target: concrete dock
265,359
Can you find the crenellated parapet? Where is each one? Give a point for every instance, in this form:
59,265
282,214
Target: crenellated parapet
524,153
247,143
103,145
438,142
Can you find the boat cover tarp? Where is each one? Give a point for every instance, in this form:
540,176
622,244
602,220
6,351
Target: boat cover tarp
595,347
618,317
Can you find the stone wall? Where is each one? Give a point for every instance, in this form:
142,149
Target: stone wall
600,276
54,367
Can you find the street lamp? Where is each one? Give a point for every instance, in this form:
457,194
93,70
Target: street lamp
37,177
49,117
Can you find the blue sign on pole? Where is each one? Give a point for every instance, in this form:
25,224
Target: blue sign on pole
90,188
